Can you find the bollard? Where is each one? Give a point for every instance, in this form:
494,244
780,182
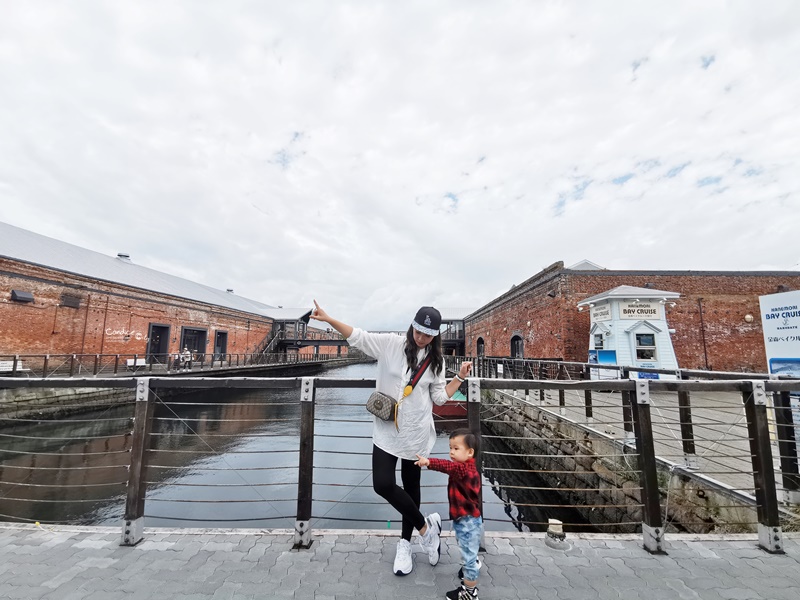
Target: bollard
555,537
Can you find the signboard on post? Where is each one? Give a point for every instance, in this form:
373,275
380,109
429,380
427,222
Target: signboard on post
780,320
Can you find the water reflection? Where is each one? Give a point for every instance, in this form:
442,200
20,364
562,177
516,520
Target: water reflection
228,458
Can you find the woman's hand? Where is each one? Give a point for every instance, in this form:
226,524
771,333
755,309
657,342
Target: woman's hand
465,370
319,315
422,462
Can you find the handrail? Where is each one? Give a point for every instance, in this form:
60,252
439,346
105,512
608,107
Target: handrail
128,365
637,399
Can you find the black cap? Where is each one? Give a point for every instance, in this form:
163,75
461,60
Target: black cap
427,321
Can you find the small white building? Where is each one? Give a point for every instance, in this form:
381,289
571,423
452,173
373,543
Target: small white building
629,328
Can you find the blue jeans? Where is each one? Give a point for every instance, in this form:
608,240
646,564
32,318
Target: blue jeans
468,536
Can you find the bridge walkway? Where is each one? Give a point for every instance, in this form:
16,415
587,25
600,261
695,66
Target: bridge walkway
83,563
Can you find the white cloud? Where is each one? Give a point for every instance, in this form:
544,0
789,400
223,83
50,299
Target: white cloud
379,156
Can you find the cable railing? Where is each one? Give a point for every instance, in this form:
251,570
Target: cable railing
114,365
618,456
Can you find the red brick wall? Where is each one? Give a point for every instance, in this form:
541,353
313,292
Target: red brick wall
558,330
108,313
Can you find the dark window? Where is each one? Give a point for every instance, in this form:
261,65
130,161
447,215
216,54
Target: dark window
517,347
598,341
20,296
480,347
70,301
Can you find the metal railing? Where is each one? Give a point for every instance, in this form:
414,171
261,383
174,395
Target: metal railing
105,365
609,447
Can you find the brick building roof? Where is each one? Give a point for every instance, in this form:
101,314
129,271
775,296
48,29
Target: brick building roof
29,247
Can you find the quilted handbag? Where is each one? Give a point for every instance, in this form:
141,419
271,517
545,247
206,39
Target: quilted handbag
382,406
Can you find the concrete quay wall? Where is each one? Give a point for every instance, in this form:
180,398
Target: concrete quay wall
599,475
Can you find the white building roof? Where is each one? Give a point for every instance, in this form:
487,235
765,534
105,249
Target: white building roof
586,265
629,291
26,246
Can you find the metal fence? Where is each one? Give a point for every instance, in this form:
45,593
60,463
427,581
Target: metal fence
112,365
653,456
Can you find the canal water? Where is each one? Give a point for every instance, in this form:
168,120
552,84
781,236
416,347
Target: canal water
228,458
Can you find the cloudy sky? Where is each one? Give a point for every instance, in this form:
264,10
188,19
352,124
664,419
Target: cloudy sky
383,155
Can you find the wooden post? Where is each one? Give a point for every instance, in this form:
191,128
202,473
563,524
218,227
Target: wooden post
305,480
787,447
652,525
770,536
133,526
627,415
587,395
687,430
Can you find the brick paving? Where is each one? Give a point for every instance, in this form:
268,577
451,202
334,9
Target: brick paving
77,563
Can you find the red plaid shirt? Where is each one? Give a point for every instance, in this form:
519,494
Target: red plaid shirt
463,486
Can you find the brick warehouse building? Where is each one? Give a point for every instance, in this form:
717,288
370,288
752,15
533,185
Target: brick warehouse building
56,298
716,319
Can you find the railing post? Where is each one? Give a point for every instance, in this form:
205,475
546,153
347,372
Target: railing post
474,420
541,377
133,525
687,430
14,365
72,365
562,404
305,479
770,536
116,363
787,447
96,364
652,526
44,366
627,415
587,396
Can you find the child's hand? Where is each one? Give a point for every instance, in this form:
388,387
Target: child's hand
422,462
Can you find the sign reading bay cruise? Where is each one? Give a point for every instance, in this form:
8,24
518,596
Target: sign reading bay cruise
780,320
638,311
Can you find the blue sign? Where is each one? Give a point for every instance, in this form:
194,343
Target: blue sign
647,375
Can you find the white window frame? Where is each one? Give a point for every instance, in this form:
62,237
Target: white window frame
640,346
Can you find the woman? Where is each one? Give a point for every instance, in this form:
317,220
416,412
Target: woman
414,433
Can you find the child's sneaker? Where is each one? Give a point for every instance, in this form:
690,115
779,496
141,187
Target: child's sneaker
478,566
430,542
462,593
402,558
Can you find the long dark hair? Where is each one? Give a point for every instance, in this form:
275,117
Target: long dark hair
435,349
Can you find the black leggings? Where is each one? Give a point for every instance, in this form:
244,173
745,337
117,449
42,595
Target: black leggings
404,499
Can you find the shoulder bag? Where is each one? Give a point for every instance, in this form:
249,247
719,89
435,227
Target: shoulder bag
385,407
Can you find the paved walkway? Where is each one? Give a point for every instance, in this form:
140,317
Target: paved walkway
74,563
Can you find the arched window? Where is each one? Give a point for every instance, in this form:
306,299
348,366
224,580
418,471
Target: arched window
517,347
480,348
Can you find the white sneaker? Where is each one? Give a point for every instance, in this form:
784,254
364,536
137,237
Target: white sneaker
430,542
402,558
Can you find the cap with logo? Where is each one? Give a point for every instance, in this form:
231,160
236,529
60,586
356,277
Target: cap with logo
427,320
